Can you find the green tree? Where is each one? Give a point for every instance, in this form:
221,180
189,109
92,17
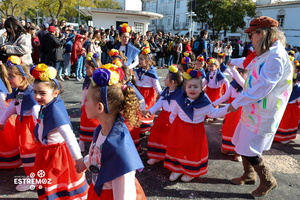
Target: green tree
223,14
15,7
112,4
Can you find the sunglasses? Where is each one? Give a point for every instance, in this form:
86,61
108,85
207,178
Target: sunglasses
250,34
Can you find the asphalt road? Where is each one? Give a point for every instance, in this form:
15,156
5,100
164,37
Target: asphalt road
284,160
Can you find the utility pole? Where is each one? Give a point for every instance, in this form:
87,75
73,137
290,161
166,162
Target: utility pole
78,13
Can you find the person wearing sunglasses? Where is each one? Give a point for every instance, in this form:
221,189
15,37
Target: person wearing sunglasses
264,99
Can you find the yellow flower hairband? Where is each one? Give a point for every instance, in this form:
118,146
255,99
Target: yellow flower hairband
43,72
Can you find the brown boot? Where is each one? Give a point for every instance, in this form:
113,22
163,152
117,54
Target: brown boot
267,181
249,176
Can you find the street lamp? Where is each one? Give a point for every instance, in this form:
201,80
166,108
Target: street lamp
191,15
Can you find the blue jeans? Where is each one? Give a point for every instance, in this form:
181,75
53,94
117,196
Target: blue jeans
67,64
170,60
78,67
161,62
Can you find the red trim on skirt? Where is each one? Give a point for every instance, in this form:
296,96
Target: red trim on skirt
57,163
159,135
27,144
287,129
231,120
108,194
213,93
87,126
187,151
9,146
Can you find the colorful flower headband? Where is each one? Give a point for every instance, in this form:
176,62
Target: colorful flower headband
173,68
124,28
211,60
92,56
185,60
117,62
292,52
145,50
223,55
44,73
292,58
186,54
104,76
190,73
200,58
15,61
113,53
296,62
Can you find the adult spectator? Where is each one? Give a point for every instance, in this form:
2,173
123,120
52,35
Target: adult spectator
77,55
62,24
200,45
177,50
43,49
18,41
67,53
264,99
128,49
55,41
35,43
54,22
235,49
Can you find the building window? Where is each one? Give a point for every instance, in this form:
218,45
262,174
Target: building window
280,19
170,0
153,5
187,22
178,4
177,21
161,1
153,22
169,21
139,27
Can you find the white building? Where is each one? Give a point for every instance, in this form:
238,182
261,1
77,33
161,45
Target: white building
175,15
131,13
286,13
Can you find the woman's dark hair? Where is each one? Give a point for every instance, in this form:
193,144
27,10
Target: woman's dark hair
16,28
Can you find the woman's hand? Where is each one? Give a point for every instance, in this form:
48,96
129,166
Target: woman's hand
3,48
231,108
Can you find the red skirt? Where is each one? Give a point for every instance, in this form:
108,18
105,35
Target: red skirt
288,126
59,167
230,122
187,150
135,135
149,95
108,194
157,142
87,126
27,144
213,93
9,147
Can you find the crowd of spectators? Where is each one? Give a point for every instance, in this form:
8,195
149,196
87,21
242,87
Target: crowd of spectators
64,48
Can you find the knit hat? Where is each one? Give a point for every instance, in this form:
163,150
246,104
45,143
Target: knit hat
51,28
260,22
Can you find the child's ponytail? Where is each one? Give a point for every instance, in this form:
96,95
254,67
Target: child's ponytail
4,77
131,106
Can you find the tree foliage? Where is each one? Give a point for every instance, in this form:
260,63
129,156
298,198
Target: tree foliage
112,4
15,7
223,14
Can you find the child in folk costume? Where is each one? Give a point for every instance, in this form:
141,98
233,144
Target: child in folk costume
87,126
185,62
221,58
27,110
200,64
113,158
58,149
187,151
214,80
231,119
157,142
287,129
119,59
148,84
9,151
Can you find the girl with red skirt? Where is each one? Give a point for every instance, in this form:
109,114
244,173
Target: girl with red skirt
231,119
187,151
9,151
87,126
58,150
27,109
157,142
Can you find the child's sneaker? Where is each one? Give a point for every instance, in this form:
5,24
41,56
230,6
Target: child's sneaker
152,161
186,178
174,176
